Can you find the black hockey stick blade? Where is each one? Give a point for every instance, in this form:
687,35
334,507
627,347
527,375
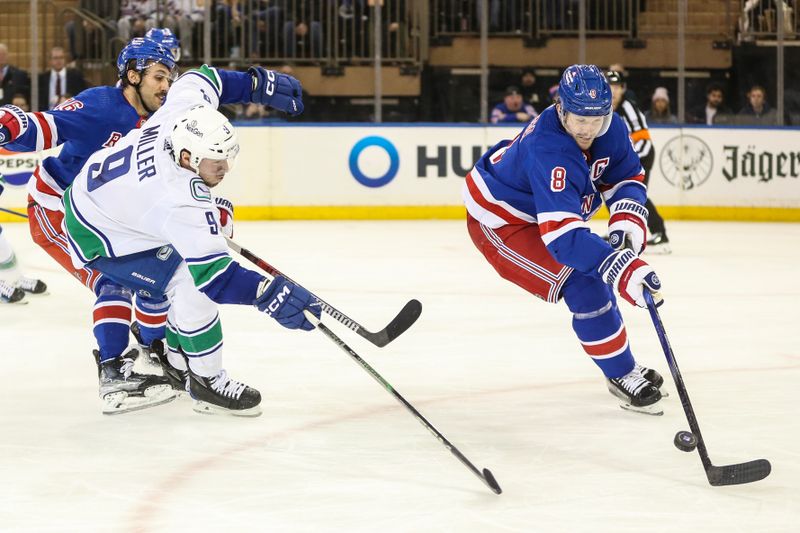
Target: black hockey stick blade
739,473
399,324
488,477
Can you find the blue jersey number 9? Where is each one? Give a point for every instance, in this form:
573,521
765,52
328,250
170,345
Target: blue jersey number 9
116,165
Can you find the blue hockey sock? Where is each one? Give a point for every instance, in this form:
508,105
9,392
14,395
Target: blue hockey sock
112,319
151,315
598,324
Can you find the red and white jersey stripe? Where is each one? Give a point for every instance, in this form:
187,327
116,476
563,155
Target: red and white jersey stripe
46,130
44,189
554,224
487,209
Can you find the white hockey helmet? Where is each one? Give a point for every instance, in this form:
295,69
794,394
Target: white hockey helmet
205,133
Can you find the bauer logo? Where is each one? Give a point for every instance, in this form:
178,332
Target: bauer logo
369,157
686,162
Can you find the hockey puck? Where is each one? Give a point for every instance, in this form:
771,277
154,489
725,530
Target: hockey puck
685,441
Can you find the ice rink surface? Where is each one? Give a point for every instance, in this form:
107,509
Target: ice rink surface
497,371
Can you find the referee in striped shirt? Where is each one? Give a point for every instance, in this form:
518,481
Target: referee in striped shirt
640,137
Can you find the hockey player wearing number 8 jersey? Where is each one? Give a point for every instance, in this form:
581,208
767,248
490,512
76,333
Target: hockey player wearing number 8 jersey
528,200
142,213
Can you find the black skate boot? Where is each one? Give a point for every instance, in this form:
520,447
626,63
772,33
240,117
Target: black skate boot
220,394
653,377
10,294
153,358
178,379
636,393
31,285
124,390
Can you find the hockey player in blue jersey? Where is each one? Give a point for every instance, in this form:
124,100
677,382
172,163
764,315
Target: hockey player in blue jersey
528,201
97,118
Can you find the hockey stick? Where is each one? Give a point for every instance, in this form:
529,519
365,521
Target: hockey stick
485,476
399,324
717,475
4,210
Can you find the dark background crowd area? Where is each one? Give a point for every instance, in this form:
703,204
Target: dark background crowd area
335,34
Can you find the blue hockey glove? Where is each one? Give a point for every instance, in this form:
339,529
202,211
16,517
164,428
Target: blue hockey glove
279,91
13,123
285,302
630,277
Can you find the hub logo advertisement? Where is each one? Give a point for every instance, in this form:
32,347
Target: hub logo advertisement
374,161
16,169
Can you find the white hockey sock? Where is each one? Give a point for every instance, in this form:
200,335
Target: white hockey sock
177,361
8,261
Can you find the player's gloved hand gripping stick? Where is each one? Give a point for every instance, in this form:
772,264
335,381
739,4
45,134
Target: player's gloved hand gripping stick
404,319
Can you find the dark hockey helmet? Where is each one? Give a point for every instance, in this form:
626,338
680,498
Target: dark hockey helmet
584,91
167,39
144,51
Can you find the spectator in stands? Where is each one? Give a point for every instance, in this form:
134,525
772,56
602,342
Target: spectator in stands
512,108
302,31
532,93
138,16
714,110
59,83
659,112
180,17
12,79
353,28
757,110
21,102
84,37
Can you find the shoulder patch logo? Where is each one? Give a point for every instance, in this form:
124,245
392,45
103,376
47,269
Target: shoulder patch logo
112,139
200,191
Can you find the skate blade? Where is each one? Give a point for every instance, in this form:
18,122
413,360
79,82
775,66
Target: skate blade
23,301
117,403
206,408
650,410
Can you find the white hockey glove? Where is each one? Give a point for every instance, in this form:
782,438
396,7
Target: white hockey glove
628,222
225,208
630,277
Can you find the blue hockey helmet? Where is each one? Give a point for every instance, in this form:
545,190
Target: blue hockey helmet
584,91
143,51
166,38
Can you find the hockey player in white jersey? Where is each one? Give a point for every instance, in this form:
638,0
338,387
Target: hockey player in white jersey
142,213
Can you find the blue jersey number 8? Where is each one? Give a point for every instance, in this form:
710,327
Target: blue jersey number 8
114,166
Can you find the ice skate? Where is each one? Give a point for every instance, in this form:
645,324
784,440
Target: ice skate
123,390
10,294
153,358
31,285
220,394
658,244
178,379
653,377
636,393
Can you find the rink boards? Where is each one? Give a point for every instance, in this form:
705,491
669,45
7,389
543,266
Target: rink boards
408,171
